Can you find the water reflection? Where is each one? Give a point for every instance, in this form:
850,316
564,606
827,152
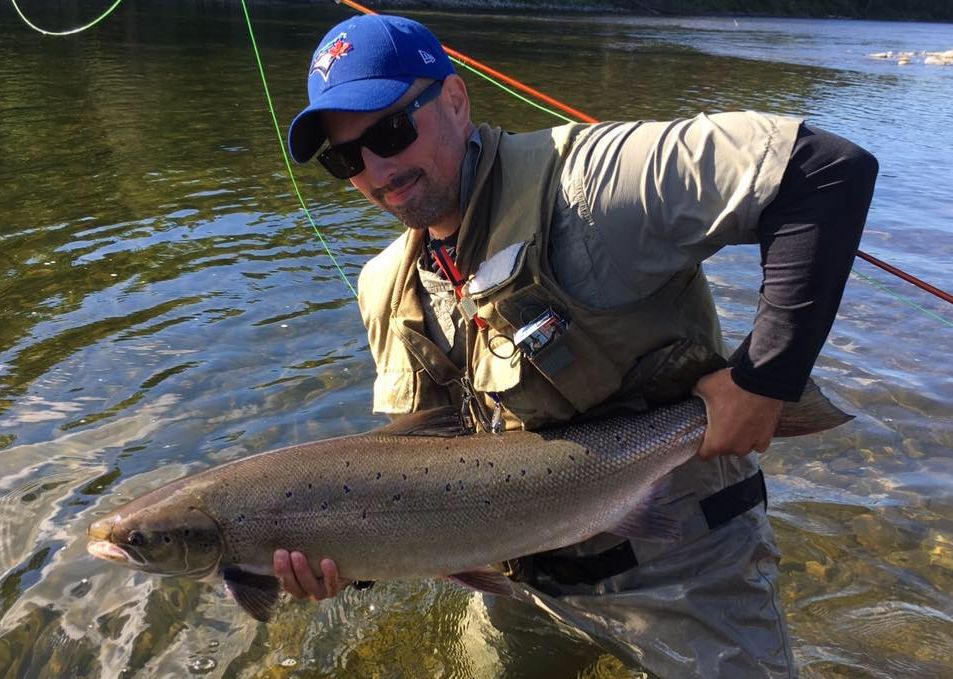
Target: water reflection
166,306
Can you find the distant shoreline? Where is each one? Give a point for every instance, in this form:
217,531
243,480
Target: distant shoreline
922,10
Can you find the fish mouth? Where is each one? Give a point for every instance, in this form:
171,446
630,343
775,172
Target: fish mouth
103,549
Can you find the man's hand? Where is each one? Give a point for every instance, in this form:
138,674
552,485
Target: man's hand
299,580
739,421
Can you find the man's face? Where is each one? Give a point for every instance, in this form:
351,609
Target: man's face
421,184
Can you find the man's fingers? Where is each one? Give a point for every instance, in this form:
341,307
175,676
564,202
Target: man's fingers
311,584
281,561
332,582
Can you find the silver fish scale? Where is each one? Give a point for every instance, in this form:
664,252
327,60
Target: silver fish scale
386,506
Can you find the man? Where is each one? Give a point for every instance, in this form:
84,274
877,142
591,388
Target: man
575,256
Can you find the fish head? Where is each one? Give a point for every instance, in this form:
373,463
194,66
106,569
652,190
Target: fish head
166,538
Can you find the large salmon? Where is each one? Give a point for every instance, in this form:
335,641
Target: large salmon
410,501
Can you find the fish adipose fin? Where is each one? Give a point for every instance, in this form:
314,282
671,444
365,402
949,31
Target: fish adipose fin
443,421
257,594
649,520
485,580
812,413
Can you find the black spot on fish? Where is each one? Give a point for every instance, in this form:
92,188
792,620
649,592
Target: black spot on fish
572,458
587,451
167,539
548,470
507,478
522,472
347,463
405,476
477,463
276,522
491,464
378,476
461,484
241,518
397,497
462,461
426,470
618,438
364,515
324,505
347,489
310,486
486,502
187,532
287,493
447,488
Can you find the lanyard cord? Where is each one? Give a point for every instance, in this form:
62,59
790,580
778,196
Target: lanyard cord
438,250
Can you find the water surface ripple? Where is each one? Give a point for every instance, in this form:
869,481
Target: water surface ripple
166,307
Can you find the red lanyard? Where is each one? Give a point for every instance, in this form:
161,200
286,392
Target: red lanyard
449,268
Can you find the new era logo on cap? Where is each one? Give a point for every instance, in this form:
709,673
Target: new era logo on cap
426,56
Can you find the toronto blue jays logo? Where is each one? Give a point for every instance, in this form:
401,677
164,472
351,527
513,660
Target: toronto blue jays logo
328,55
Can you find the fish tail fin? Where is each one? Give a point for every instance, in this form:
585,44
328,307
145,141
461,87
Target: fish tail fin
814,412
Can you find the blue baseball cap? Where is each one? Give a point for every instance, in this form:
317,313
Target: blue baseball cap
365,63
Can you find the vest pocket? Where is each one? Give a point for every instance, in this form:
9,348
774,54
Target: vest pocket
573,364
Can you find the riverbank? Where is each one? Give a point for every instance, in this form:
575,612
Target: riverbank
894,10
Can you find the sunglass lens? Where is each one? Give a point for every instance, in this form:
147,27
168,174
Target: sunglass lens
342,161
391,135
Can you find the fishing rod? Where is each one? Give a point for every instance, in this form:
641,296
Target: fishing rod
484,71
474,64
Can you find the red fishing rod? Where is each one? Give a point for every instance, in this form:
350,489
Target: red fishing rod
910,278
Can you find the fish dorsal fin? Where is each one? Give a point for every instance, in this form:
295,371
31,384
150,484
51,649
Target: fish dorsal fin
257,594
443,421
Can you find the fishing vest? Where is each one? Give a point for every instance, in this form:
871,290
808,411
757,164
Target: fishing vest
597,360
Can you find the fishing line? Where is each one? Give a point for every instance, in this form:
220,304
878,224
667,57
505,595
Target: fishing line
901,298
284,153
489,74
70,31
271,109
494,77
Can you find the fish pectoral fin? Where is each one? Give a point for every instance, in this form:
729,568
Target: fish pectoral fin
257,594
649,519
486,580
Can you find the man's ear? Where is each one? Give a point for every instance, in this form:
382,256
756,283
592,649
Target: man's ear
457,99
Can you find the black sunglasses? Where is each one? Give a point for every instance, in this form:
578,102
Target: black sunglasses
387,137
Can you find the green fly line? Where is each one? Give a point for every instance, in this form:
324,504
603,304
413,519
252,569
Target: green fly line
294,182
284,153
902,298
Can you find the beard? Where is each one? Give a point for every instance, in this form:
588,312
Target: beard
430,206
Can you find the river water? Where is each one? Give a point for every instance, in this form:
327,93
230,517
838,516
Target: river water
166,306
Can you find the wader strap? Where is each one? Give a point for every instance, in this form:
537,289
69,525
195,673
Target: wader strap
719,508
573,570
734,500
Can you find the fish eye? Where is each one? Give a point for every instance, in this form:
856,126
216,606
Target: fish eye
136,539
